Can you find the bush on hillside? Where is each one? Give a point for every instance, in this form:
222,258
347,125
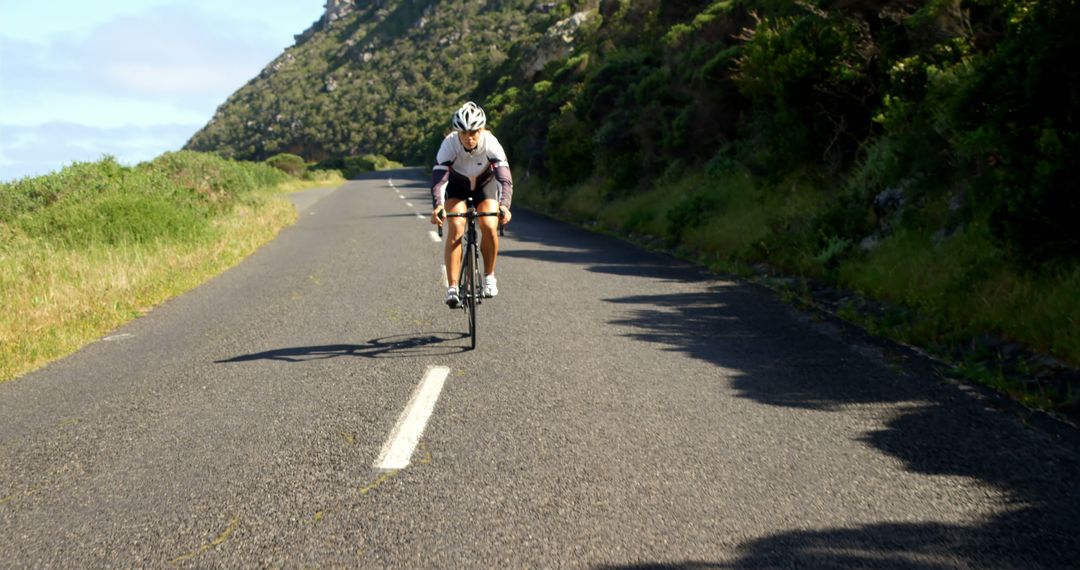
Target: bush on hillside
290,164
105,203
1014,124
354,166
807,79
218,181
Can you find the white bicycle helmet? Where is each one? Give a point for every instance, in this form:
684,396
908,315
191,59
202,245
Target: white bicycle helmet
470,117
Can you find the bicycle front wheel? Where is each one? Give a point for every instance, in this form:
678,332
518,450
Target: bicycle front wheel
471,292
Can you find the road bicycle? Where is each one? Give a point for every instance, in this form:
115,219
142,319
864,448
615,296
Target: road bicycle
471,278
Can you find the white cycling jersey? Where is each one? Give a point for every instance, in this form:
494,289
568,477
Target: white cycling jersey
471,168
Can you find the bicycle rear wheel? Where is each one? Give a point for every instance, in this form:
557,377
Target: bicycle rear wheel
470,292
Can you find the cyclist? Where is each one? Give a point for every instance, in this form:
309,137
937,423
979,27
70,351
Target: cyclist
471,164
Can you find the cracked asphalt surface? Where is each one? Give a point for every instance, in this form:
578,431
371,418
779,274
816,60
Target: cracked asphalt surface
623,410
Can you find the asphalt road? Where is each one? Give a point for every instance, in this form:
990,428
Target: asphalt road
623,410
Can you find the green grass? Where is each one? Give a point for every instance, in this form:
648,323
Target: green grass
96,244
733,219
963,286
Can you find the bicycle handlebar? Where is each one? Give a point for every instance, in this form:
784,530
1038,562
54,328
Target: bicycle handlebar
470,214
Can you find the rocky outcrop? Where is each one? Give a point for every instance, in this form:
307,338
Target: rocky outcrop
557,44
334,10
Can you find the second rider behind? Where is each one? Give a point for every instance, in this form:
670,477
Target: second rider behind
471,164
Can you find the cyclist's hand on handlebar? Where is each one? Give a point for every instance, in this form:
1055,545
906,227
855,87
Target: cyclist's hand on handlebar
438,215
504,215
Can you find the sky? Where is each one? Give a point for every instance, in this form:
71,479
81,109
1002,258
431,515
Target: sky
80,80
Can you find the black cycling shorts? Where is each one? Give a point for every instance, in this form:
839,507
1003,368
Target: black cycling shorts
489,191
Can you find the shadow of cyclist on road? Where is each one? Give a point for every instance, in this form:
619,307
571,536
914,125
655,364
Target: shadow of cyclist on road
400,346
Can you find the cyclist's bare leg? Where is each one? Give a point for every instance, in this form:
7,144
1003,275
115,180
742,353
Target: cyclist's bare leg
489,240
455,230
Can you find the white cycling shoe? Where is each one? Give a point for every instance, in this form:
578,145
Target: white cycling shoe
491,287
452,299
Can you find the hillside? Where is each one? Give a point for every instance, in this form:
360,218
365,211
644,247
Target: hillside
371,77
916,153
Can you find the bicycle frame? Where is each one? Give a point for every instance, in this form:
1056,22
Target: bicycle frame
470,278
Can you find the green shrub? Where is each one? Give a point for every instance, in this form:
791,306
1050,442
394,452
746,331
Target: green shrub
807,78
218,182
125,215
689,212
570,151
316,174
356,165
171,198
290,164
1013,119
32,194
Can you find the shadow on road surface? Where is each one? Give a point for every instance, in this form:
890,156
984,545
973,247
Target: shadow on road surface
936,429
401,346
932,426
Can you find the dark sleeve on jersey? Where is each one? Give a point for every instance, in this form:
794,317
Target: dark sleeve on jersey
440,174
506,183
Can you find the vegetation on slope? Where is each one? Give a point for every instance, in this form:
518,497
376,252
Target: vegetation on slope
89,247
380,81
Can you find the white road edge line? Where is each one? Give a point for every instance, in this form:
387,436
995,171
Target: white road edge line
434,236
445,282
409,204
397,453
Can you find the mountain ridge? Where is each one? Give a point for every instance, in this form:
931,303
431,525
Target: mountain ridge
370,77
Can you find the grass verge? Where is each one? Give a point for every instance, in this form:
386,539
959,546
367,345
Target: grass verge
98,244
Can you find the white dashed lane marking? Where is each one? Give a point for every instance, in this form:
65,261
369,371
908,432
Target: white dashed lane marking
398,451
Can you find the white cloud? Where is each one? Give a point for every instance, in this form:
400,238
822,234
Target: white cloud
129,79
95,109
173,79
278,19
170,52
